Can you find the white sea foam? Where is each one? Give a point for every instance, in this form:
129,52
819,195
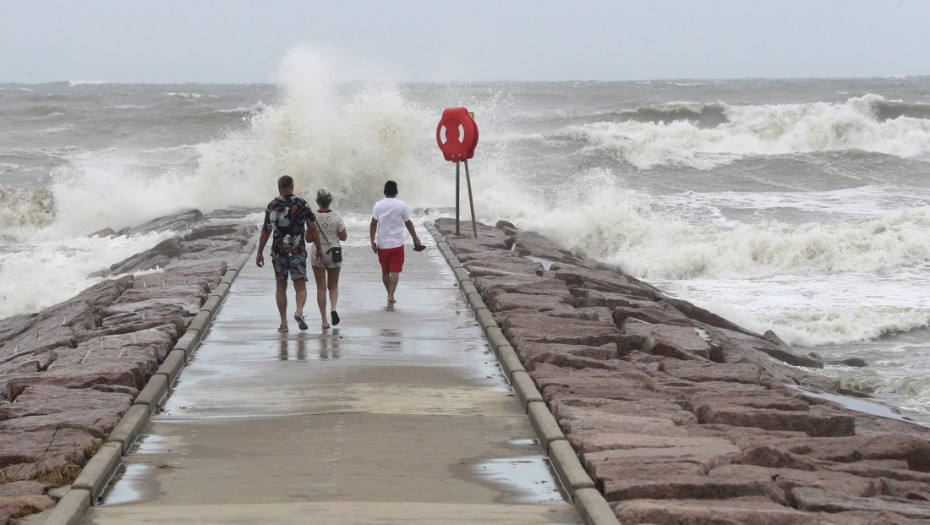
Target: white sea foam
75,83
350,147
815,310
760,130
41,274
625,228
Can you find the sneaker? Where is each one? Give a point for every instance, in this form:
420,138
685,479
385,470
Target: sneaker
335,317
300,320
282,328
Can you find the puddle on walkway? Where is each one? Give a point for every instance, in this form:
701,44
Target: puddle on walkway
523,479
136,483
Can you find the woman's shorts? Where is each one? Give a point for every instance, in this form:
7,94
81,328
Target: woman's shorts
391,259
327,261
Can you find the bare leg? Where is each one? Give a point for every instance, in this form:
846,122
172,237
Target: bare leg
390,282
300,286
333,286
319,274
280,296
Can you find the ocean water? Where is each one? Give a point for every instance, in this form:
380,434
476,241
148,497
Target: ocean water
796,205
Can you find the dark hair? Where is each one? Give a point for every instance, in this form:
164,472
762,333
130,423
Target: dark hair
286,182
324,197
390,188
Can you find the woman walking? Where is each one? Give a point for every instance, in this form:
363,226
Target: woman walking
326,271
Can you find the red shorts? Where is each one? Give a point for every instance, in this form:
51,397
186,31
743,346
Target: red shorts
392,259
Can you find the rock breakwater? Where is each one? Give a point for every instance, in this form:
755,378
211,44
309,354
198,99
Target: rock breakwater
69,374
680,416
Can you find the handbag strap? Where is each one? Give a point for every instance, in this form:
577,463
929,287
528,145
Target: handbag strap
321,232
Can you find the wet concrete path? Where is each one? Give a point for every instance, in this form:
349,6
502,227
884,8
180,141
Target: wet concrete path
398,415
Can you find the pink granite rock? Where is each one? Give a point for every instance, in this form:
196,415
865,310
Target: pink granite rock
655,313
547,329
604,281
27,454
732,511
68,373
12,507
705,371
810,499
532,244
531,354
913,450
678,342
681,416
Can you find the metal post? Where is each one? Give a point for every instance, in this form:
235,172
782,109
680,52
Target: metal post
457,197
471,202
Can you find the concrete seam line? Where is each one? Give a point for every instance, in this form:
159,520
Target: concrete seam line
461,275
212,304
153,392
201,321
70,509
240,262
544,423
475,301
568,466
467,286
129,427
485,320
496,337
525,389
509,360
97,472
172,365
187,341
220,290
594,509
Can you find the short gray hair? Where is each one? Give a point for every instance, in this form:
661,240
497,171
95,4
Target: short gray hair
324,197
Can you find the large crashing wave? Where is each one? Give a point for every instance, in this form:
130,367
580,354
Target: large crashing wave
694,135
313,133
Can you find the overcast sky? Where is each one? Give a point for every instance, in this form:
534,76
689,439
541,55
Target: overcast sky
239,41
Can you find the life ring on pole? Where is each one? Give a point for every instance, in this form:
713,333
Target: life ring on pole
457,134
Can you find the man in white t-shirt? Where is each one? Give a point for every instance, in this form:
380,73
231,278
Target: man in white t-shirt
388,218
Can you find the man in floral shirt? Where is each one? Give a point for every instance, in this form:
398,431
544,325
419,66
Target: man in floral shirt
292,223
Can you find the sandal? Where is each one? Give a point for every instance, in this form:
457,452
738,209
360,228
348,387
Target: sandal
282,328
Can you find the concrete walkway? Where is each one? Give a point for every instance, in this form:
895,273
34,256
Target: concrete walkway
398,415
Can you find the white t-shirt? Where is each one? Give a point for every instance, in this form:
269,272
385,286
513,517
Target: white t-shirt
391,214
329,224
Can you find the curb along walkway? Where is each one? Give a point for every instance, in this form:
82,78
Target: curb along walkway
399,415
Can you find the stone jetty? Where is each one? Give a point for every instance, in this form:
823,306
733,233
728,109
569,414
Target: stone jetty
678,415
69,373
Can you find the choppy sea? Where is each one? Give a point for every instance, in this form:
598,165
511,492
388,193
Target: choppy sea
796,205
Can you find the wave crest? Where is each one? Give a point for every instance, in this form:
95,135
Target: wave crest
708,136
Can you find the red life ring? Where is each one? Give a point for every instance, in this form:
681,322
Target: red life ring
457,134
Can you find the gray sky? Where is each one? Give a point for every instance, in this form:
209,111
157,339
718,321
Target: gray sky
237,41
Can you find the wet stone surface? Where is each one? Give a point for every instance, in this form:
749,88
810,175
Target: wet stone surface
681,416
70,372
